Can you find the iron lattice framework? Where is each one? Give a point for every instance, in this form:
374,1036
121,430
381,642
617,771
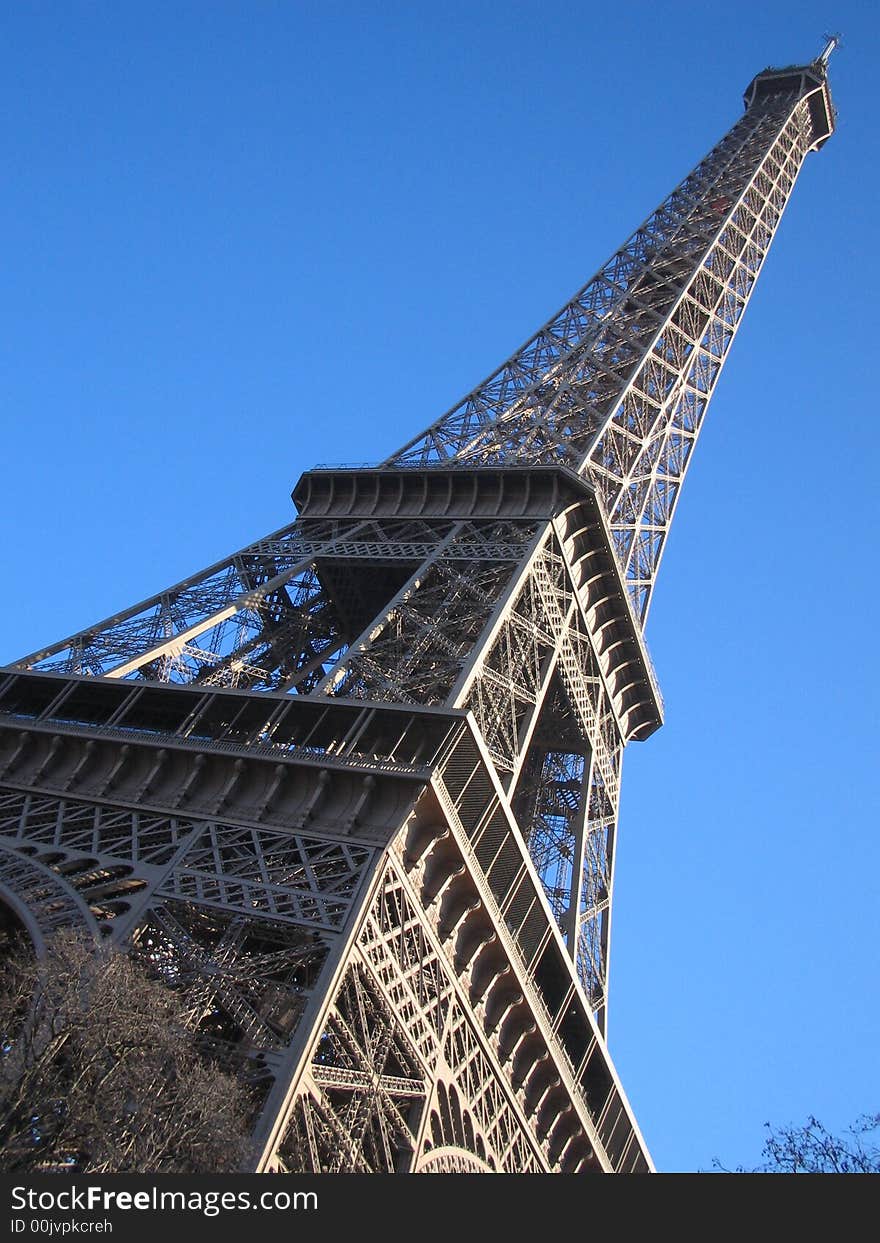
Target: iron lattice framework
354,789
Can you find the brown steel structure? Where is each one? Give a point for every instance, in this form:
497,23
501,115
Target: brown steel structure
355,788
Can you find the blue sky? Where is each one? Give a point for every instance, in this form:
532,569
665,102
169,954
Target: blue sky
241,239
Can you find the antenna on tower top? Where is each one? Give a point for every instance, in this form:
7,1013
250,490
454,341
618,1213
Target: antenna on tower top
831,42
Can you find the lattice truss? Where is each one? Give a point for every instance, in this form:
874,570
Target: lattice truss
281,614
241,919
543,708
416,651
617,383
570,817
398,1079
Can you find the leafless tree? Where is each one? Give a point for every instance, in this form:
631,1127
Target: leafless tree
812,1149
98,1071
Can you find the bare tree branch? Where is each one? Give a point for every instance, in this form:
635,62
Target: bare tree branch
98,1071
812,1149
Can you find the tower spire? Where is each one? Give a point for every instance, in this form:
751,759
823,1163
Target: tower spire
831,43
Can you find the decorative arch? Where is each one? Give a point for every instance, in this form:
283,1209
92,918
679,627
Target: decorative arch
40,899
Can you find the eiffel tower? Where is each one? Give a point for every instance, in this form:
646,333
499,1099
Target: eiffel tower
355,788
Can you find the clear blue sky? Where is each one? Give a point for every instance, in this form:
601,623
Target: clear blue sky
243,238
